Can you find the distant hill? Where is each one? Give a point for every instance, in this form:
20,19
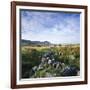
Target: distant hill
29,42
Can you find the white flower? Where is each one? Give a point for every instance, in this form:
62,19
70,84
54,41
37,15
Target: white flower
49,61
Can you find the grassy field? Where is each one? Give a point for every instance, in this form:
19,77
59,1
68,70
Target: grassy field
31,57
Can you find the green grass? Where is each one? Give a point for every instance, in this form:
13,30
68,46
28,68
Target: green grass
31,56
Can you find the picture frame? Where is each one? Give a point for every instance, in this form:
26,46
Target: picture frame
24,16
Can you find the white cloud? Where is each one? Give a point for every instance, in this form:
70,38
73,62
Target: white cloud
52,27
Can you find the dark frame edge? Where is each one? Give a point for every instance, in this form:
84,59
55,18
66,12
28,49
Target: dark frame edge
86,45
41,4
50,84
13,45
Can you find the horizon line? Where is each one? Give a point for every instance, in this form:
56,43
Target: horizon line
51,42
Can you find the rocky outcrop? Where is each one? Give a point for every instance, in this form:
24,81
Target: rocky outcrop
49,67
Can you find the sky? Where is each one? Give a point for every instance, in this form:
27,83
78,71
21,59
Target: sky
55,27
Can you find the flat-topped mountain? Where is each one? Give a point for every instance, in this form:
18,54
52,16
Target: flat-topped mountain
29,42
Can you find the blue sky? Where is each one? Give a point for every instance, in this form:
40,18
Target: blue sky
55,27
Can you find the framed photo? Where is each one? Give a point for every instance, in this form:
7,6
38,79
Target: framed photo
48,44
